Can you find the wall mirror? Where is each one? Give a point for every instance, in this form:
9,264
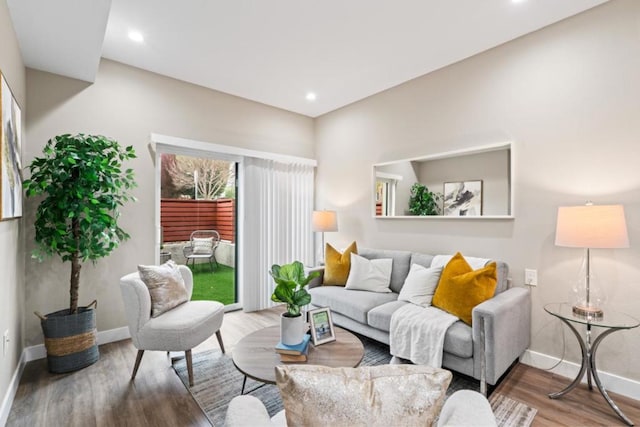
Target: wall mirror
470,183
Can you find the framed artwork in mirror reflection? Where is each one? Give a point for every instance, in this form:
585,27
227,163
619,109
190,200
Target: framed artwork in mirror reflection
463,198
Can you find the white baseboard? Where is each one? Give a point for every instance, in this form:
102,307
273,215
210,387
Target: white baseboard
36,352
611,382
5,408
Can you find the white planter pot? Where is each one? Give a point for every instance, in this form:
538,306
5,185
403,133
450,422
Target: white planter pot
291,329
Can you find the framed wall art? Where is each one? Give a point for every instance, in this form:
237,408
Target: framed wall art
463,198
10,153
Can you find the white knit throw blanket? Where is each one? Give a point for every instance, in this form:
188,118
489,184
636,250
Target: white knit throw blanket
417,334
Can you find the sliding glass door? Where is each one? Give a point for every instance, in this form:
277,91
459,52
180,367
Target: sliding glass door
198,220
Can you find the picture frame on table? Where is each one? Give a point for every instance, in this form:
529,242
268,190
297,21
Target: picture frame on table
321,325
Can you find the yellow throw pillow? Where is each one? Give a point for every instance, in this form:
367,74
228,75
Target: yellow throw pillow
461,288
337,265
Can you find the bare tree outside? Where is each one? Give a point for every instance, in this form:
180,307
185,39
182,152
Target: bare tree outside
206,178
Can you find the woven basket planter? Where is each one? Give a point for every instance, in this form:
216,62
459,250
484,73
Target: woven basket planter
70,339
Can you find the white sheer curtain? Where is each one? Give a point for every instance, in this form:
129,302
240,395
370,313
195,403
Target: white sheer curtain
278,204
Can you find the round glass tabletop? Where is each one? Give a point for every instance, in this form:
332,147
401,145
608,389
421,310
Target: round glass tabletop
610,318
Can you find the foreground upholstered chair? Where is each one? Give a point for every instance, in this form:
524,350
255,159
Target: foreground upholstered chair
179,328
373,396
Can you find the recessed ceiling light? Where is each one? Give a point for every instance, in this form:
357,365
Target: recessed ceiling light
518,1
136,36
311,96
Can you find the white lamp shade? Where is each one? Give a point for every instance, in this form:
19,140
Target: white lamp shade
592,226
324,221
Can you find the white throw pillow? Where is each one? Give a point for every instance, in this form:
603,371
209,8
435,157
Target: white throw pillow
420,285
202,245
369,275
166,286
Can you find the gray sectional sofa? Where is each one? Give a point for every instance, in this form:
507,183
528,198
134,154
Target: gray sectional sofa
501,325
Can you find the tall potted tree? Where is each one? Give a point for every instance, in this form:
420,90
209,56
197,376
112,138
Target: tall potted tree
84,184
290,289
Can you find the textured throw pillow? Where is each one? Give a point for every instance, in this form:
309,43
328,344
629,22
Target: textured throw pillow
337,265
166,286
369,275
202,245
384,395
420,285
461,288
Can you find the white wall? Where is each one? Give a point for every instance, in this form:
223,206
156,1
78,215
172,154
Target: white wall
129,104
11,231
568,96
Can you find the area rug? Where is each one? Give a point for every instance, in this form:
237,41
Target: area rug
217,381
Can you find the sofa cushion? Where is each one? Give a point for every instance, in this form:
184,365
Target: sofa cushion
461,288
400,268
383,395
380,316
420,285
502,269
337,265
352,304
459,340
369,275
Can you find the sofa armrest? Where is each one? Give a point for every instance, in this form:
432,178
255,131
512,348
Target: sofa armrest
318,280
246,411
466,408
507,331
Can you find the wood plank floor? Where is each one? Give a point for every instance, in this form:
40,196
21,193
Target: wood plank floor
103,395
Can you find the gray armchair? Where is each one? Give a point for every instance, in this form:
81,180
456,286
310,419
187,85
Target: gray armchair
179,329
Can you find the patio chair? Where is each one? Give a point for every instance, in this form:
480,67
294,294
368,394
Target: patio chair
202,245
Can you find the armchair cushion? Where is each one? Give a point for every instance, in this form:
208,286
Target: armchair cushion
202,245
166,286
370,395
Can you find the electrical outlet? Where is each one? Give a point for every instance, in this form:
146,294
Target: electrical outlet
530,277
5,342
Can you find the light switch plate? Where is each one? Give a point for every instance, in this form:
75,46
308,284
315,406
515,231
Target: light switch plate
530,277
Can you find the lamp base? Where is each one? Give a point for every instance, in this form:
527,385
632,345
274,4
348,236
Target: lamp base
588,311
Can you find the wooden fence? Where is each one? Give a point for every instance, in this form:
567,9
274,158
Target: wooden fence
179,218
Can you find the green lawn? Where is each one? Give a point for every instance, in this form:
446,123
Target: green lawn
218,285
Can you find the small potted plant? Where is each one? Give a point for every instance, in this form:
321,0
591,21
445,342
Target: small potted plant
424,202
290,289
83,184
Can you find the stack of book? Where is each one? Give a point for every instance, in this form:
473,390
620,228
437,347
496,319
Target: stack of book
294,353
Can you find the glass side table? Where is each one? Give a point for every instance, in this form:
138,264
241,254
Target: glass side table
611,321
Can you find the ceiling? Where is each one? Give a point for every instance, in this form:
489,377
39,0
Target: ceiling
276,51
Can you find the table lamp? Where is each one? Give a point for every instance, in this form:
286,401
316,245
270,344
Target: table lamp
591,227
323,221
